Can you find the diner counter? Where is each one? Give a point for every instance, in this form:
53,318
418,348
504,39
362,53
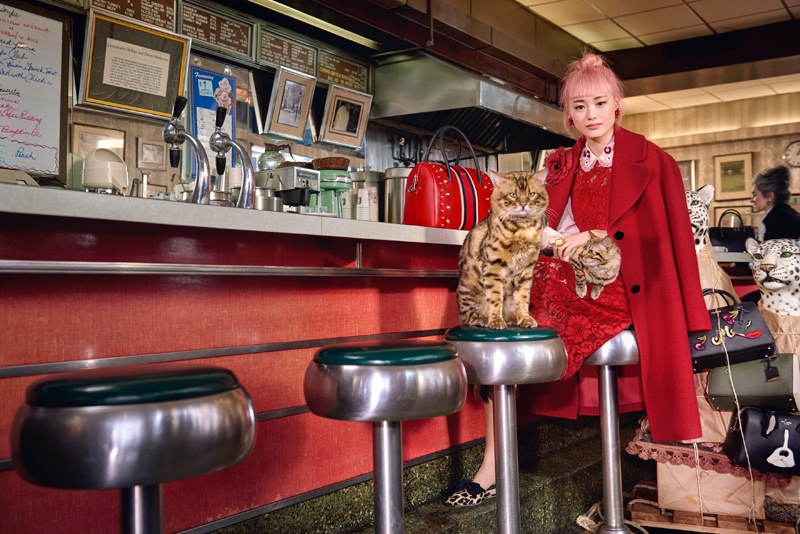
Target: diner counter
78,204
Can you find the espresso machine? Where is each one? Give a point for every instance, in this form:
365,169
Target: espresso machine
294,185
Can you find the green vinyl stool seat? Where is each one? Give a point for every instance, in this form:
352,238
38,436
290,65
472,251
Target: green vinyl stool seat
386,383
503,359
132,428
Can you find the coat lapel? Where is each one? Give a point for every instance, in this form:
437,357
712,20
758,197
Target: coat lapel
629,176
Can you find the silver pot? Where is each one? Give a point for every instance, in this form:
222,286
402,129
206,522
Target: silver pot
267,200
394,193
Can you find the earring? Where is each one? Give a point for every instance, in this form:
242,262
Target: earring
570,122
616,113
769,203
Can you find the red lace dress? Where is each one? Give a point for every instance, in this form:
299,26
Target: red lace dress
583,324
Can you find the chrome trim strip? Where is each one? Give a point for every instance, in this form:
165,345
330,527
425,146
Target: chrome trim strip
194,269
14,371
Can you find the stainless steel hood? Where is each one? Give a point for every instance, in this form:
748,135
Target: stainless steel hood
427,93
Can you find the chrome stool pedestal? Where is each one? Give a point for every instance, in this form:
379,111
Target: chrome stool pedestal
385,384
132,428
622,349
503,359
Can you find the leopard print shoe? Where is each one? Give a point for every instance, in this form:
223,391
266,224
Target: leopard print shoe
468,493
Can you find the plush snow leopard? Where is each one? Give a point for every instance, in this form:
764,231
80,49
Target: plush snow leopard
776,270
698,202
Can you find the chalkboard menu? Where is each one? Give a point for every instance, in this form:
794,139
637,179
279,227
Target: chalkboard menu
277,51
32,64
219,31
159,13
342,72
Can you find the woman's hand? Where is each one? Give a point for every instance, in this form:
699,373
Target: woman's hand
564,246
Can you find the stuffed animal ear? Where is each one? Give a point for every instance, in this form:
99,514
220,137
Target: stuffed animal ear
751,245
706,193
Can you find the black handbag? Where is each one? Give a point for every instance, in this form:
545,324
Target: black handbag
738,329
772,440
732,238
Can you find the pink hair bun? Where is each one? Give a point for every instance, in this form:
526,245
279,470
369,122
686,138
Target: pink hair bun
590,60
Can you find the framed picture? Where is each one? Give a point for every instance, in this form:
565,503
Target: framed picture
345,118
132,66
541,158
289,104
688,169
733,176
86,138
151,155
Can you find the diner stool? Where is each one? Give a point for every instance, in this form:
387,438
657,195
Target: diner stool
621,349
132,428
504,358
385,383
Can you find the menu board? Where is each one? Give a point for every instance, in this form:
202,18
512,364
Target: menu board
32,86
279,52
159,13
342,72
221,32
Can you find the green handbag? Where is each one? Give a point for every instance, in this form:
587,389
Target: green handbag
770,384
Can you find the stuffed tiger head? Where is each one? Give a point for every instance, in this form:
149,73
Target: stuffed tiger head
698,202
776,270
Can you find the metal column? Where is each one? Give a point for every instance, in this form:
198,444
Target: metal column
614,513
387,461
142,510
506,466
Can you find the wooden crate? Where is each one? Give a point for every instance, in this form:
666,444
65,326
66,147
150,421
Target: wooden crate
649,515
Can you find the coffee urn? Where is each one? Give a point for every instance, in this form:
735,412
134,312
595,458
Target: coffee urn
393,194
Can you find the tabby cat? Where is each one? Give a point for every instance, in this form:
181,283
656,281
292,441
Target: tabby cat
596,261
498,254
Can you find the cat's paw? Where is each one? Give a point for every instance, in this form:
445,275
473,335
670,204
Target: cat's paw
596,290
527,322
580,290
496,323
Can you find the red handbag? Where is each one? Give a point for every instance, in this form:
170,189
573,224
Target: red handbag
446,195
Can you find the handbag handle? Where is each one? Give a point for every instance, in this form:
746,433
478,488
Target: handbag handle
727,296
439,136
733,212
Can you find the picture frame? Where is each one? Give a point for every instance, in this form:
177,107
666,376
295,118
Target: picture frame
86,138
541,158
345,119
151,155
733,176
289,104
688,170
118,54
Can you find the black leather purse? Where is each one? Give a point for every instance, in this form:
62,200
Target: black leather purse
732,238
772,440
738,329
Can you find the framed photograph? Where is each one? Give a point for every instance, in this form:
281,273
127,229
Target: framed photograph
345,119
541,158
733,176
86,138
133,67
151,155
289,104
688,172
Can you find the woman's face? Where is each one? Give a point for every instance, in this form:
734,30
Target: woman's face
594,117
759,201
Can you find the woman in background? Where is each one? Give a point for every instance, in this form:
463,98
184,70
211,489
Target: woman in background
771,193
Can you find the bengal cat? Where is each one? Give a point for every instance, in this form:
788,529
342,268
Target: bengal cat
497,257
596,261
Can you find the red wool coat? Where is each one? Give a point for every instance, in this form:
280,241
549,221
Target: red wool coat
649,220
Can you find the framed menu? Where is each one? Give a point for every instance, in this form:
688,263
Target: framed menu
34,61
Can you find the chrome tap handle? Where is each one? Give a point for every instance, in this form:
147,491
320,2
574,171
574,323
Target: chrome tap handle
222,112
178,107
175,134
174,156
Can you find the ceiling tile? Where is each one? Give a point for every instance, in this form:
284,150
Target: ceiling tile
641,104
714,10
688,102
527,3
617,44
659,20
601,30
750,21
747,92
675,95
782,79
795,11
688,32
734,85
786,87
568,12
619,8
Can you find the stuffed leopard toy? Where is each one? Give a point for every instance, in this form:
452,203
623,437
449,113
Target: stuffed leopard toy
776,270
698,202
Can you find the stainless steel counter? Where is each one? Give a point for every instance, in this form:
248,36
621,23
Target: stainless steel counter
77,204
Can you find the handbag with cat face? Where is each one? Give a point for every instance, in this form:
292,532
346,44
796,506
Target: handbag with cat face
771,440
447,195
738,334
